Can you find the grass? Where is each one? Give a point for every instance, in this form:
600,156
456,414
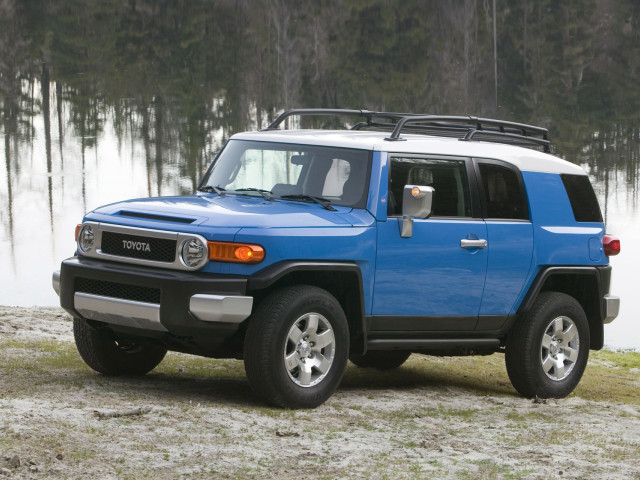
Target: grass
610,377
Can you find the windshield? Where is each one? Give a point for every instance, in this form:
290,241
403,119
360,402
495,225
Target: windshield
339,176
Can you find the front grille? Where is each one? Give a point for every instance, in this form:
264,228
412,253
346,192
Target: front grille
136,246
118,290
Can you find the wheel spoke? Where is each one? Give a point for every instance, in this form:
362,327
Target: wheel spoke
322,340
291,361
569,334
557,327
295,335
321,363
312,324
571,354
548,364
546,341
305,374
559,370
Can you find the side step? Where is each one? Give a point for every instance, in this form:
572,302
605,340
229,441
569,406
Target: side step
416,344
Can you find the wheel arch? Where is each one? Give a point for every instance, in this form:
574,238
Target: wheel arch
343,280
586,284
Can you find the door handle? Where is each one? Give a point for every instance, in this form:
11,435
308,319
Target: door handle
467,243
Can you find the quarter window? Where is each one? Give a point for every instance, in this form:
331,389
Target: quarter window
582,197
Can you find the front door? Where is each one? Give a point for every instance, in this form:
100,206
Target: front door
434,280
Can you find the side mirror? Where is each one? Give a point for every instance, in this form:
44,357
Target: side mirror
416,202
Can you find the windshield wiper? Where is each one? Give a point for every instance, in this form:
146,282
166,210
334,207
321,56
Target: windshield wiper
319,200
209,188
264,193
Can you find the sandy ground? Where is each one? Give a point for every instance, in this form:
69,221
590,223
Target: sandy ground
197,418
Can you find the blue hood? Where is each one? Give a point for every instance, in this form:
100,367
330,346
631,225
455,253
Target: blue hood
233,211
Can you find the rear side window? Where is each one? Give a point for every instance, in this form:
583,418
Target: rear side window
582,197
503,192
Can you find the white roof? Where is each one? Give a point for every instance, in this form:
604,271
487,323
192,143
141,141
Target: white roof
525,159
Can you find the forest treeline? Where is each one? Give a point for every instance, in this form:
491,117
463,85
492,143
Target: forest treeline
178,71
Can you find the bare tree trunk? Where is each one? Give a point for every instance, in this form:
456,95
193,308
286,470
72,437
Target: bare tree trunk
495,55
524,39
46,113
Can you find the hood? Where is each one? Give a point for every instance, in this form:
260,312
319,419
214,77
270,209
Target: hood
236,211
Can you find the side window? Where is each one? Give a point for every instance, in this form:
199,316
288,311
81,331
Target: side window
582,197
503,193
447,177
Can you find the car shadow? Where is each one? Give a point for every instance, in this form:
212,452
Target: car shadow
232,386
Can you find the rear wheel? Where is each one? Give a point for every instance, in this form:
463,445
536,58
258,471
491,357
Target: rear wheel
111,356
547,350
380,359
296,347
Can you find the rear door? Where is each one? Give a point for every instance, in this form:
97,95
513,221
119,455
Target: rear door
509,240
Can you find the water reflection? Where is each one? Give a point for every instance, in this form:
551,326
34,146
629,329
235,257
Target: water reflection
105,102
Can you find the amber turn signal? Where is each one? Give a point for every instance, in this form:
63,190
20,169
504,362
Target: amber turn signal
78,227
235,252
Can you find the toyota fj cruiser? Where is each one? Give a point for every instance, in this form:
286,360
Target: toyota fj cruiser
302,249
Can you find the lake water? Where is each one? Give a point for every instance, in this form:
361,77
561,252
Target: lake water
100,103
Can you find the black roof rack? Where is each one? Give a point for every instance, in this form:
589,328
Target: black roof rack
464,128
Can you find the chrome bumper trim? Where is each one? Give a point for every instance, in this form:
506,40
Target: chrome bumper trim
611,308
220,308
119,311
55,281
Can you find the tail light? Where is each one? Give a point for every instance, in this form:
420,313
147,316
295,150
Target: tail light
611,245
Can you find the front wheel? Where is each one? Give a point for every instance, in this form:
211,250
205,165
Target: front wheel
111,356
547,350
296,347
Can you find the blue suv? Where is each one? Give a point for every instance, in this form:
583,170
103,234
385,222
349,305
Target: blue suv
305,248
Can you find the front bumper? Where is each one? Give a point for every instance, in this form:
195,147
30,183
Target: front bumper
182,303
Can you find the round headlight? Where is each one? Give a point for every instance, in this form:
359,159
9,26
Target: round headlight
86,238
194,253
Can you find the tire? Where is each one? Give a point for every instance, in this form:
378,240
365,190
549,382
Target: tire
110,356
547,349
296,347
380,359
